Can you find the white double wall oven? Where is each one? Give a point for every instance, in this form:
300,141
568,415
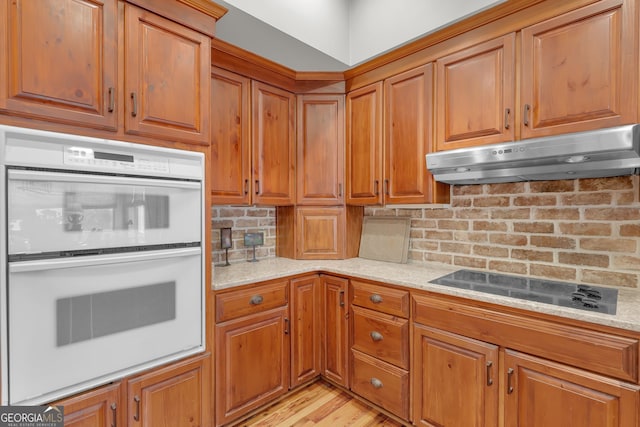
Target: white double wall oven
103,258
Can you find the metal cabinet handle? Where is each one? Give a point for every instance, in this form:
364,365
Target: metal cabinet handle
376,189
286,326
507,113
256,299
114,414
134,104
112,100
386,187
376,336
509,381
340,190
375,298
489,379
525,116
341,296
136,416
246,186
376,383
257,186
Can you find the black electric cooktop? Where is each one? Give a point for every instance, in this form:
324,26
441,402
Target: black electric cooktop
584,297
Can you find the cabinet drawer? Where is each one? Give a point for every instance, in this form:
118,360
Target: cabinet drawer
596,351
251,300
381,383
381,335
380,298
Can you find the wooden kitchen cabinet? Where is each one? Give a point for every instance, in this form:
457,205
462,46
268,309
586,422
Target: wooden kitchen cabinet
230,171
306,298
252,363
177,395
335,329
389,167
166,98
462,372
580,70
59,61
320,150
100,407
543,393
475,95
274,149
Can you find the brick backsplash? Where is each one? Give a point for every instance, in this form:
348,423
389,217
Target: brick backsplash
585,230
243,220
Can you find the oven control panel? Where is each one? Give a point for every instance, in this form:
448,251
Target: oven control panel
117,162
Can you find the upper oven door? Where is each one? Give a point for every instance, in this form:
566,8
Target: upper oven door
58,211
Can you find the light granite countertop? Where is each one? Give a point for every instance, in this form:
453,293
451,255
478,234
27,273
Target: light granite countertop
417,276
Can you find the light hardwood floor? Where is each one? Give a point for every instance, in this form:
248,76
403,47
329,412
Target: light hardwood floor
319,404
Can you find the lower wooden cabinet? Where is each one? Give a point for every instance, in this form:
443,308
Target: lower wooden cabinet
96,408
178,395
335,329
305,302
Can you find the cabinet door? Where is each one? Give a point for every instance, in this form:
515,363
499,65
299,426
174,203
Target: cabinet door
335,337
476,95
455,380
305,329
252,363
58,61
167,78
96,408
273,145
320,147
544,393
230,171
320,233
580,70
408,136
174,396
364,146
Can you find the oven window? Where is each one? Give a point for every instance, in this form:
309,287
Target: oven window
85,317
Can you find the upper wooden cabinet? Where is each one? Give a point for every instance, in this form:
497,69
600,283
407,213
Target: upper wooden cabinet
364,145
320,149
167,79
580,70
274,149
58,61
230,171
390,168
475,99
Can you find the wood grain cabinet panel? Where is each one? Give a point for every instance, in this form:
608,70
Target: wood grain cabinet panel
580,70
381,335
274,149
305,306
252,300
230,171
58,61
320,150
335,329
543,393
178,395
100,407
475,98
167,78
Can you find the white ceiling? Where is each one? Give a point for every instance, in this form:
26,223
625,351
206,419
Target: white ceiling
333,35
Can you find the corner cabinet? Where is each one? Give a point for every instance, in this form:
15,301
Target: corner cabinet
166,98
580,70
59,61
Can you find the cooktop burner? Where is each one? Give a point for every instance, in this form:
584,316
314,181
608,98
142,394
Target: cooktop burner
584,297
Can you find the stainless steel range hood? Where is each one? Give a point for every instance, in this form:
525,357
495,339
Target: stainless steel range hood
600,153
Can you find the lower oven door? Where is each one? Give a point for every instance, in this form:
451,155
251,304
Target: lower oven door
77,323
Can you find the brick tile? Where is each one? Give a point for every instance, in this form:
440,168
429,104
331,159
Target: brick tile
586,199
552,272
508,267
489,226
557,213
232,212
459,202
425,245
464,236
582,259
472,213
490,251
438,235
470,262
506,188
438,213
533,227
511,213
531,255
612,214
423,223
626,262
552,186
553,242
608,245
415,255
630,230
466,190
509,239
483,202
459,248
625,198
586,229
609,278
453,225
535,200
599,184
437,257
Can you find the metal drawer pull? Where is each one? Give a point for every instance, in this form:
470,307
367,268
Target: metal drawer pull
286,326
114,414
525,114
376,336
341,298
256,299
112,100
376,383
509,379
507,113
375,298
489,379
136,416
134,104
376,190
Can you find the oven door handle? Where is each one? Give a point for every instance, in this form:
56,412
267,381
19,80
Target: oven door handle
93,260
30,175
